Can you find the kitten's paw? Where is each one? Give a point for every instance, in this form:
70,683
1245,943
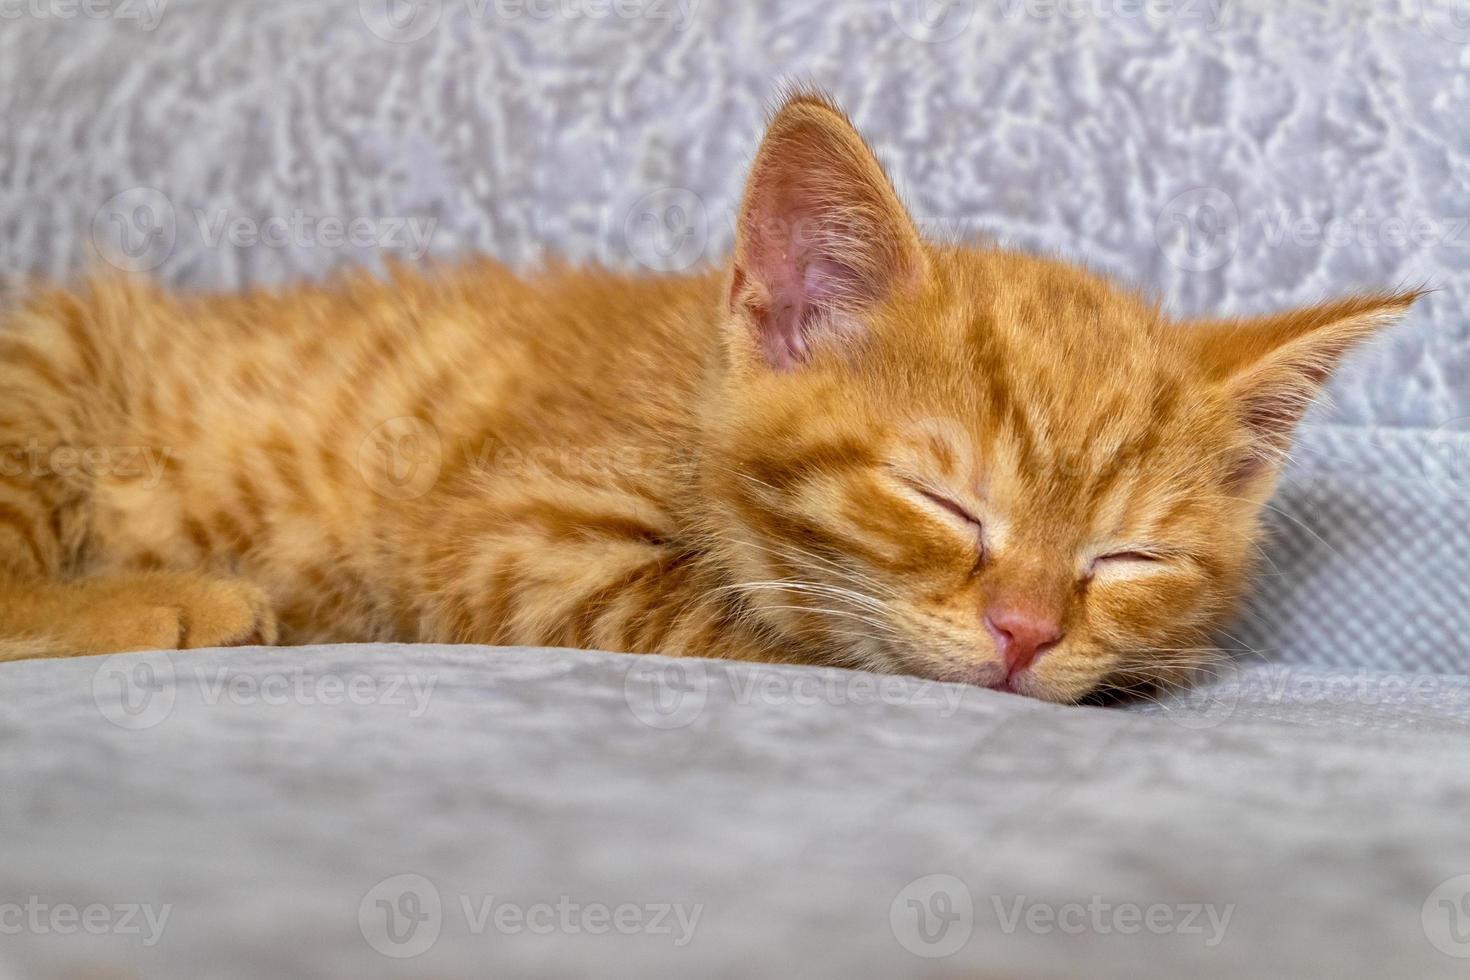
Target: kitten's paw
224,613
160,611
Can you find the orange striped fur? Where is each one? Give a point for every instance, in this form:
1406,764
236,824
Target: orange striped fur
838,448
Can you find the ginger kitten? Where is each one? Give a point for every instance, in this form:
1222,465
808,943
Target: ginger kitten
847,446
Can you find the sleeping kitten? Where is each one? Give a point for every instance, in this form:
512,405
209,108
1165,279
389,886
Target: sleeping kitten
847,446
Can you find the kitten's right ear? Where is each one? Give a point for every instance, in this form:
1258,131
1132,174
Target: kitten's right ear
822,236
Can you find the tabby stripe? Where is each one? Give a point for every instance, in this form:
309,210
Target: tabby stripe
25,359
83,343
564,522
24,527
502,601
787,472
584,615
198,535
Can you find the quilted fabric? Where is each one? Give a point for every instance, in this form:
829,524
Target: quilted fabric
1231,157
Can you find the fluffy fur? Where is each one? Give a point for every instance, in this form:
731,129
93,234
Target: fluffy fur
848,445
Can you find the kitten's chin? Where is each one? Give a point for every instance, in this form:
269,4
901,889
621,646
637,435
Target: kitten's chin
1027,683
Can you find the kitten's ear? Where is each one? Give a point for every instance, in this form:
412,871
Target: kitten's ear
1271,369
822,236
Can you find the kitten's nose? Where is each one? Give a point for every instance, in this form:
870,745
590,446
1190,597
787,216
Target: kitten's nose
1021,635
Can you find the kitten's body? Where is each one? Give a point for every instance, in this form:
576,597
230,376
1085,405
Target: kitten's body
848,446
465,456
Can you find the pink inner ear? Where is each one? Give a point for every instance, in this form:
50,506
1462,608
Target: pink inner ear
808,295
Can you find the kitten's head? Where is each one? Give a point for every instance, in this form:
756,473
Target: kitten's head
977,466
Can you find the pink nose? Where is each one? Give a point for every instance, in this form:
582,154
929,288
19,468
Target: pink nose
1021,635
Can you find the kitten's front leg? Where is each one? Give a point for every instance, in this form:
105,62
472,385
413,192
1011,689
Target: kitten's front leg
131,611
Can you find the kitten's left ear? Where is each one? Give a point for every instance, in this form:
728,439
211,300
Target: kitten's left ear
1272,368
822,236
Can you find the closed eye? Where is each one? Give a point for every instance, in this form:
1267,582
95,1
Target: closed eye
1137,561
945,503
1129,556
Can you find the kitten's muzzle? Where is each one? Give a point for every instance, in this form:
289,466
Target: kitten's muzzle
1021,634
